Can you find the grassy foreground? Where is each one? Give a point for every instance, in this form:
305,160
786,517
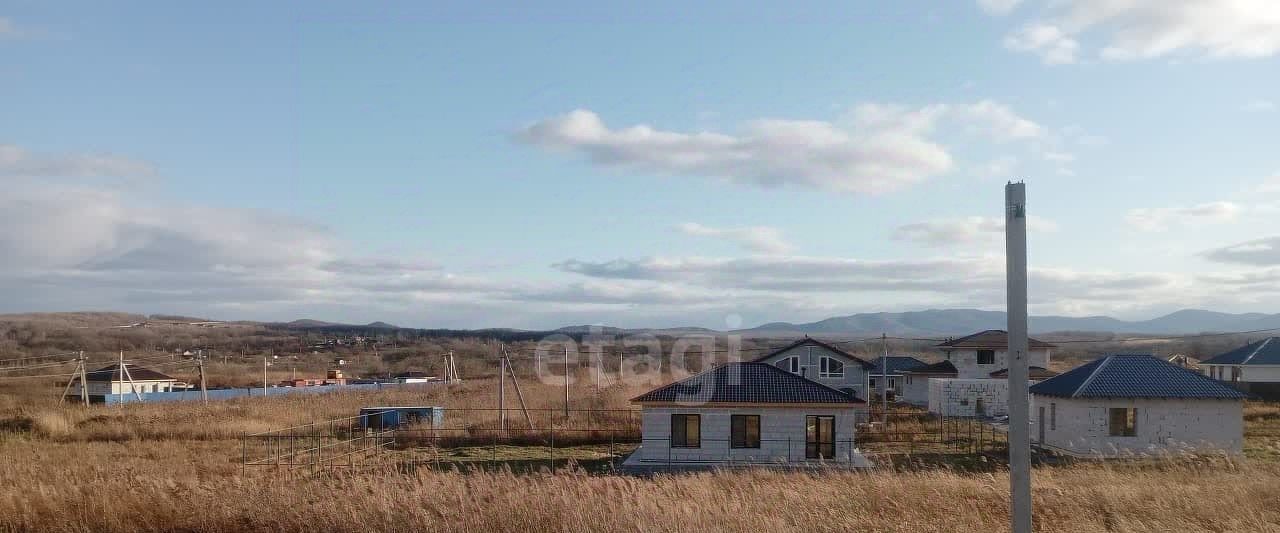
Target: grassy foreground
175,467
192,486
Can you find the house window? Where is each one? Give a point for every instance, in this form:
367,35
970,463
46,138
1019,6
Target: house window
1053,416
686,431
1123,421
745,431
790,364
1235,373
873,383
830,367
893,383
908,379
986,357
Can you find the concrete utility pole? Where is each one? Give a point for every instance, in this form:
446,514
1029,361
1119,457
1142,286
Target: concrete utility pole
1015,223
502,387
204,392
566,384
264,375
84,379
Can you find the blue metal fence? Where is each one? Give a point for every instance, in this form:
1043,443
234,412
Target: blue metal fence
227,394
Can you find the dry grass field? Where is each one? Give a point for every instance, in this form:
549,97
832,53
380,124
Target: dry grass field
176,467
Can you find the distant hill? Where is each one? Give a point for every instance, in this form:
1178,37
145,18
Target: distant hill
935,322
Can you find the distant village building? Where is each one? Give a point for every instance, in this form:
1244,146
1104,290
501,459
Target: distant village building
915,388
1253,368
109,381
890,370
1121,405
747,413
823,363
413,376
980,386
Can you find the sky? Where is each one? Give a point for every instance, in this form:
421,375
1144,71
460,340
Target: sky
722,165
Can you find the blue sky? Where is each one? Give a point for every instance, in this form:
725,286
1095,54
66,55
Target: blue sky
457,165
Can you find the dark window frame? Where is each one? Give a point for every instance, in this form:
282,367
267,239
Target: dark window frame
824,367
991,357
740,437
1122,421
680,430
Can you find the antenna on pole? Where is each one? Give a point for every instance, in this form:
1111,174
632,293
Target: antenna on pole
1015,217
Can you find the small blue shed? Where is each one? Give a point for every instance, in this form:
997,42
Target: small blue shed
380,418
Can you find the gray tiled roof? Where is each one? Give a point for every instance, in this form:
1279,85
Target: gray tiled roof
942,367
897,363
1263,352
992,338
815,342
746,383
1133,376
138,373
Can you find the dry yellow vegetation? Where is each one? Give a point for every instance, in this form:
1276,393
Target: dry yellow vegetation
175,467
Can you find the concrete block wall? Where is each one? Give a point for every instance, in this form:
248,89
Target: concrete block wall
961,397
967,367
782,434
915,389
1081,427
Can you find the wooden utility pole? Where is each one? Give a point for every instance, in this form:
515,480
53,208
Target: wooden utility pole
84,379
204,392
124,371
1015,227
502,386
519,395
74,374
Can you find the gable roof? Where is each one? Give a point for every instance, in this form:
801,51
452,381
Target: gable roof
815,342
747,383
939,368
1133,376
1036,372
138,373
992,338
896,363
1263,352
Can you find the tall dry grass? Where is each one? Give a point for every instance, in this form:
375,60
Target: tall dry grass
171,486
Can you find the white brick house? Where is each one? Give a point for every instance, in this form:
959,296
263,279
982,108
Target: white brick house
747,413
1253,368
980,386
825,364
977,356
1127,405
108,381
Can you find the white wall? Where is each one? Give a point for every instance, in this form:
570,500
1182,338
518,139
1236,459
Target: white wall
1248,373
959,397
915,389
777,425
1162,426
855,376
967,366
103,388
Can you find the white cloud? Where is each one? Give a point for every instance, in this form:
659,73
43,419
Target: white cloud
768,153
998,7
964,230
1145,29
1049,42
1259,106
1258,252
18,162
1270,185
761,239
1162,218
886,146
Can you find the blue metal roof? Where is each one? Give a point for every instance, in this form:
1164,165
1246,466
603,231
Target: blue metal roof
746,383
897,363
1133,376
1263,352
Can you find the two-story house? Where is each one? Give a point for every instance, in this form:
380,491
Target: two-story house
825,364
980,386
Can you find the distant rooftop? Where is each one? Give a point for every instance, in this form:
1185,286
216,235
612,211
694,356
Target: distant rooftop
747,383
1263,352
992,338
897,363
1133,376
